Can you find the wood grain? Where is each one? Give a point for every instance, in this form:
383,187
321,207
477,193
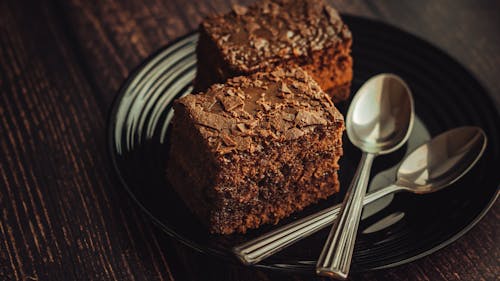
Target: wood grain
63,216
63,213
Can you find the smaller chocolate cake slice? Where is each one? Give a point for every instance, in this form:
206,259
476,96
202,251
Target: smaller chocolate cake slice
255,149
306,33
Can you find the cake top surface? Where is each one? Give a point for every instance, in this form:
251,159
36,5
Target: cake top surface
267,32
247,113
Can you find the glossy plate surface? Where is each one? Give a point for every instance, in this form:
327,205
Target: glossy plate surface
394,230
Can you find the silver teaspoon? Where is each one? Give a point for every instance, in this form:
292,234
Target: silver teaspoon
431,167
379,121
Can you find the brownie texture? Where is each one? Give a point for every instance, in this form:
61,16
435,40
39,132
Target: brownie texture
305,33
255,149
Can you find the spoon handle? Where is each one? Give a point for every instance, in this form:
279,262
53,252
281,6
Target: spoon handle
335,258
259,248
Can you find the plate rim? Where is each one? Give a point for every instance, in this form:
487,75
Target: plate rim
112,154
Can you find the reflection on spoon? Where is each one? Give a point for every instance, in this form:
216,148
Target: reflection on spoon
418,136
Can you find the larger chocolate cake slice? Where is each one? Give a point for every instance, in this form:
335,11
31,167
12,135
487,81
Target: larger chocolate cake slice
255,149
306,33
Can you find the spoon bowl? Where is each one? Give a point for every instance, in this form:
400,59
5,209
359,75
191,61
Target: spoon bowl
441,161
381,115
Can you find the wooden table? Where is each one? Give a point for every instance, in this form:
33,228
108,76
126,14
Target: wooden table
63,214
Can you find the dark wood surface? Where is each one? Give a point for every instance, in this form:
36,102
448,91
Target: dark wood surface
63,214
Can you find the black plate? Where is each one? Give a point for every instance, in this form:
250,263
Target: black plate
396,230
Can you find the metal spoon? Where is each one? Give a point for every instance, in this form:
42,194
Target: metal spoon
379,121
431,167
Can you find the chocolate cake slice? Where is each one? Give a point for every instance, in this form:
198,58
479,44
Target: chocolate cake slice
306,33
255,150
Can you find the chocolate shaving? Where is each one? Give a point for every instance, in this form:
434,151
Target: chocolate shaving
329,100
275,9
240,10
294,133
284,88
296,52
288,116
300,75
227,140
242,127
332,14
253,124
346,33
334,18
212,120
308,118
265,8
245,114
225,38
258,83
280,124
273,135
225,150
278,73
252,26
231,102
265,104
212,104
260,43
244,143
267,133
